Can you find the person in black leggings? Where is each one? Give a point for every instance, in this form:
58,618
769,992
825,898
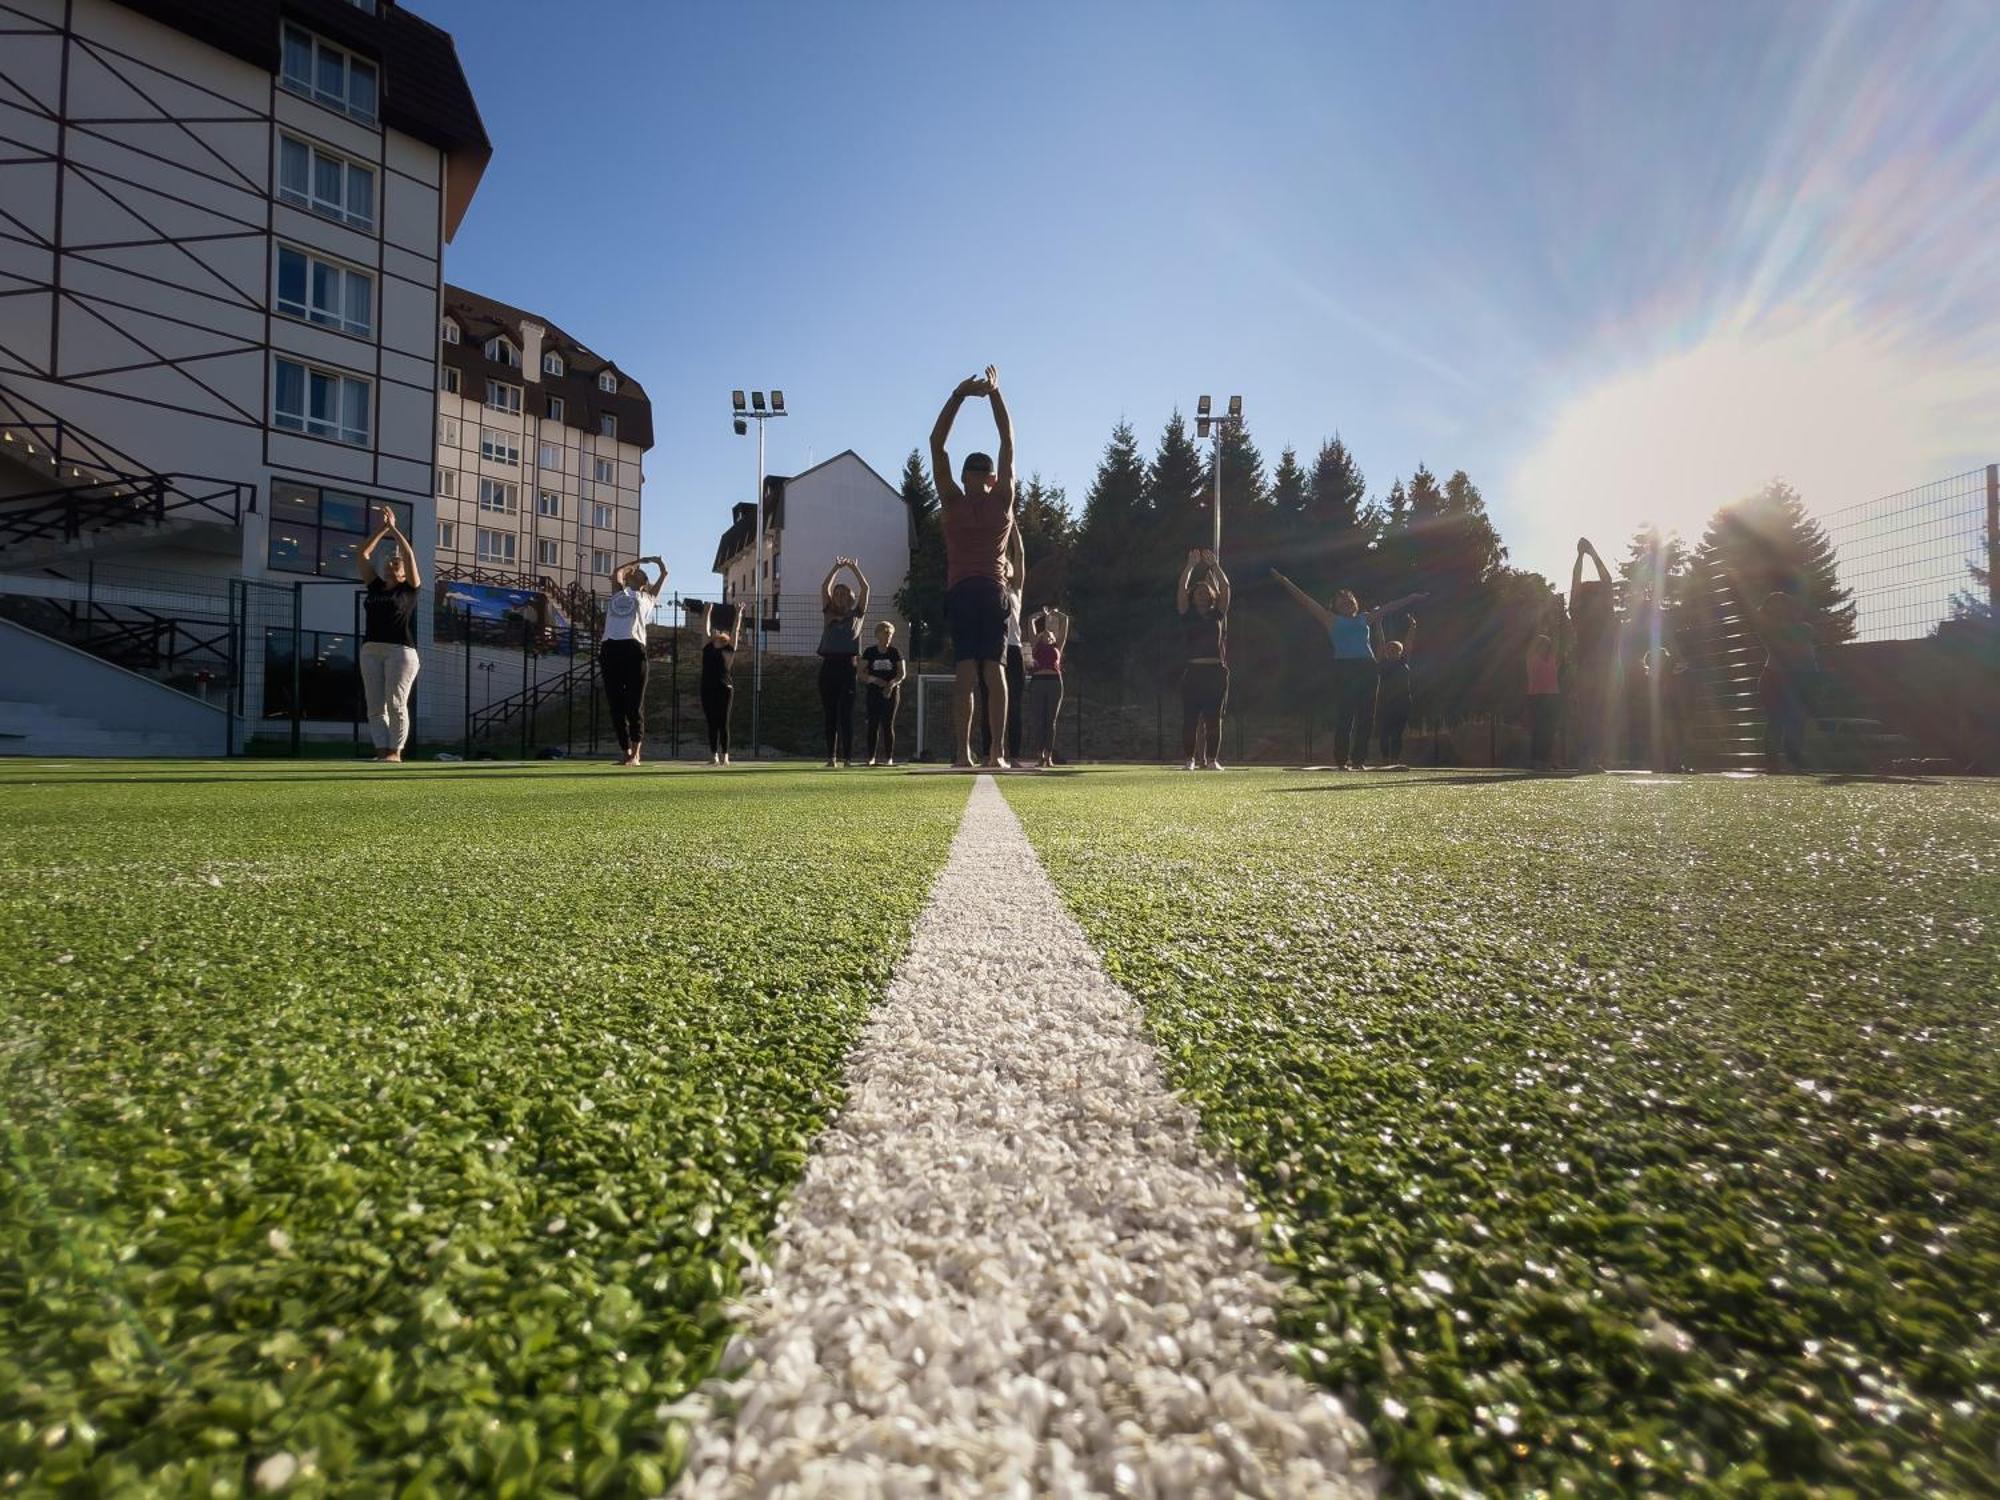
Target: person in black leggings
1392,694
621,655
839,646
883,669
1350,630
718,656
1204,606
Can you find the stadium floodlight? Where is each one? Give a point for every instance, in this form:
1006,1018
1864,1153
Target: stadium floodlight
1207,425
741,415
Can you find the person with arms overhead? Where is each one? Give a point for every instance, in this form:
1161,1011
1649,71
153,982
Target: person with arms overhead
1392,694
1593,659
389,637
1349,628
841,611
1204,607
621,656
718,687
978,524
1044,695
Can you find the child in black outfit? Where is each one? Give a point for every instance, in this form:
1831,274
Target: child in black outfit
882,668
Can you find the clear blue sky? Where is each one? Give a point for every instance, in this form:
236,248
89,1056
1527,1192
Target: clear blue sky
1615,261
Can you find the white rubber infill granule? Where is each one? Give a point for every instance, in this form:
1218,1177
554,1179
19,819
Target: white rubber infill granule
1011,1267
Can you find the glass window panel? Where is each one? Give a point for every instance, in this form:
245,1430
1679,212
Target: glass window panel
360,303
337,552
361,195
291,397
406,515
343,512
294,503
354,410
333,74
294,167
294,549
325,292
326,179
321,397
361,87
298,57
555,409
291,281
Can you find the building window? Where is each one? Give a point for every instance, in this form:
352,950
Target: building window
548,457
329,185
327,75
605,470
549,503
607,383
321,531
552,364
600,562
448,380
501,447
322,292
548,554
328,673
447,536
607,425
600,515
320,403
448,483
503,397
496,546
448,432
555,408
499,497
449,331
502,351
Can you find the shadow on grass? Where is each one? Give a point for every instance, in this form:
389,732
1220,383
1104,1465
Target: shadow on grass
1366,782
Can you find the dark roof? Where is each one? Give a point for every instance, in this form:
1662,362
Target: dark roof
424,90
479,318
742,530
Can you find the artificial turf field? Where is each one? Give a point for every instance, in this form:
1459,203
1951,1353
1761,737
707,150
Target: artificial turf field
1620,1135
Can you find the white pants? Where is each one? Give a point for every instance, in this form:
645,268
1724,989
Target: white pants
387,675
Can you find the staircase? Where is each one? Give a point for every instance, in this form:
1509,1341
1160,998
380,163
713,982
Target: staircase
36,729
64,492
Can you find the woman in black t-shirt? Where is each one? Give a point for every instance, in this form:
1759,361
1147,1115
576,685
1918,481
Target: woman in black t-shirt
1204,605
881,667
389,637
718,686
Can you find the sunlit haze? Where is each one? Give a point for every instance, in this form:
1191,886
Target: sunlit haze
1618,263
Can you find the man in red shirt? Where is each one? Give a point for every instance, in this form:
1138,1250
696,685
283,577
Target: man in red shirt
977,511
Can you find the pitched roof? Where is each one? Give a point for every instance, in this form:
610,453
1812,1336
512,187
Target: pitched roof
742,529
480,317
424,89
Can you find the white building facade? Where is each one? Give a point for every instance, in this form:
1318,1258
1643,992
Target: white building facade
541,451
839,508
225,260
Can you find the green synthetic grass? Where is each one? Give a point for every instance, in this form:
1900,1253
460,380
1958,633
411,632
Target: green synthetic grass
1623,1137
411,1121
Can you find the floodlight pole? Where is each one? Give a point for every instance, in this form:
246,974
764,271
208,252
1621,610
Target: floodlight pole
1212,427
739,414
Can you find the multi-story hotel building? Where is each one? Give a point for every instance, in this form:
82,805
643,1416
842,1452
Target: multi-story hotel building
222,259
541,443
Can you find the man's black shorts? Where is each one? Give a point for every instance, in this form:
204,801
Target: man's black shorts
976,611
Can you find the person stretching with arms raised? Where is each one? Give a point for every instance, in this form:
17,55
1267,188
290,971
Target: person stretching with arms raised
841,611
389,637
1204,606
1348,627
978,520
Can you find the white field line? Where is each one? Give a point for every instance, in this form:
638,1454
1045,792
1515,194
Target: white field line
1011,1267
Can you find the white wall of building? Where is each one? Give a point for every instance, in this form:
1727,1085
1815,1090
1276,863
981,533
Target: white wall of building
839,508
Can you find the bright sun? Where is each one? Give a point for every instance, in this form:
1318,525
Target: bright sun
1843,413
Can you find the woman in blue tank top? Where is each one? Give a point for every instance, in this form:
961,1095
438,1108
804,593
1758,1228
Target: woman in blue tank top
1348,627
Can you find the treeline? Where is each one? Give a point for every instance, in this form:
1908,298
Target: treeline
1113,566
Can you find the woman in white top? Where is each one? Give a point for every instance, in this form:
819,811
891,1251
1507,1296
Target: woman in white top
621,657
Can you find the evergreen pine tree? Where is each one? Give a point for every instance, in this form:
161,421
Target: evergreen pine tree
1288,484
1102,569
1768,541
1173,492
1330,547
1048,537
920,600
